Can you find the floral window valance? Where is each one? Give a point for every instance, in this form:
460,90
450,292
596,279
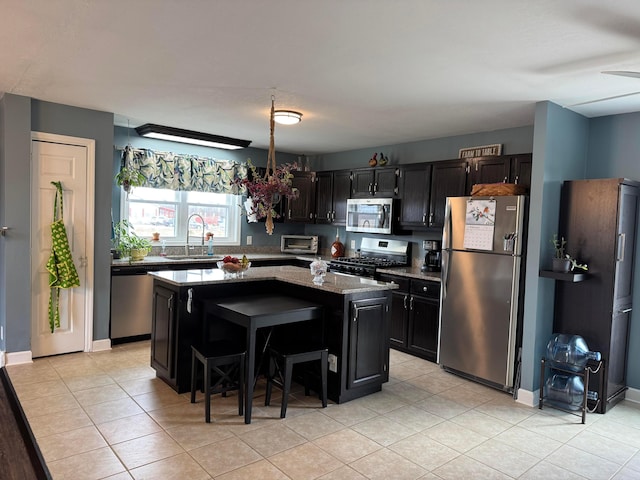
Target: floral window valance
184,172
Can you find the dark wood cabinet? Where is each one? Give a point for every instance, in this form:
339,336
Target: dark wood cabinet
368,342
448,179
415,188
506,168
598,220
520,169
324,197
424,309
378,182
415,310
163,333
487,170
302,209
332,190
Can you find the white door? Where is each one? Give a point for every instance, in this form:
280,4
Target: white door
72,165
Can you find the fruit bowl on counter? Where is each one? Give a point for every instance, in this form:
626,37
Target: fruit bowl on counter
232,266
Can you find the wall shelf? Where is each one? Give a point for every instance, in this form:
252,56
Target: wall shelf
566,277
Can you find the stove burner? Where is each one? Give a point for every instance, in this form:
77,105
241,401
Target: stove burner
364,266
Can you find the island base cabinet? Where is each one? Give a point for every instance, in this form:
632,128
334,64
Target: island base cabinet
355,327
163,333
368,343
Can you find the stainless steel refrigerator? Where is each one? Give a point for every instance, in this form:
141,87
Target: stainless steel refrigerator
482,250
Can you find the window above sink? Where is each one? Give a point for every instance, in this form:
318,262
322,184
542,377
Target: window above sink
166,212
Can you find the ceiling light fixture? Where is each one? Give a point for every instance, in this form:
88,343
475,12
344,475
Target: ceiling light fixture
287,117
172,134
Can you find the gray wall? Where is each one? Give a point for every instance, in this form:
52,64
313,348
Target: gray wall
15,280
559,153
22,115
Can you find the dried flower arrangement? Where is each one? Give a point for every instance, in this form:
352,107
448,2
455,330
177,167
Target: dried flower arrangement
265,192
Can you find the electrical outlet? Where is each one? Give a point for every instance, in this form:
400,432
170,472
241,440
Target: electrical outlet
333,362
353,244
249,240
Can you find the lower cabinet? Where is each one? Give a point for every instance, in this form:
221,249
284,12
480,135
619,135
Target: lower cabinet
163,331
415,308
368,343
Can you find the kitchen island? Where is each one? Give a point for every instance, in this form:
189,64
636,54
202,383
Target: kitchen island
354,325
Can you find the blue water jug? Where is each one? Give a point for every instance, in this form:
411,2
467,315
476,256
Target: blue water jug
569,352
567,391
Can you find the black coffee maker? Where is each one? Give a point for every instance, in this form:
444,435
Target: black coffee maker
432,256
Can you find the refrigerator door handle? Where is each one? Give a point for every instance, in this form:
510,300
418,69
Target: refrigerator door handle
621,245
446,258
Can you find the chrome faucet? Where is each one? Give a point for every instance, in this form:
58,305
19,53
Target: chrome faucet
186,247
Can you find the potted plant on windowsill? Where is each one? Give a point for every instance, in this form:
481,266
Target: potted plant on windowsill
128,243
563,262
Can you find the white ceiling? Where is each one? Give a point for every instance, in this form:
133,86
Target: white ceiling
364,73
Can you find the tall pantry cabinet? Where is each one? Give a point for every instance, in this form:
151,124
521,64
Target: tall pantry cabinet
598,220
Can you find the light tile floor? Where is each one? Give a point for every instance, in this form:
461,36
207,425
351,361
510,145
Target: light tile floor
105,415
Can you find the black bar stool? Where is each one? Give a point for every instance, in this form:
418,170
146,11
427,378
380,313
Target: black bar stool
281,370
223,362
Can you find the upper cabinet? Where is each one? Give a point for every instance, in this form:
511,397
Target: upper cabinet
332,191
520,171
302,209
506,168
415,188
487,170
378,182
448,179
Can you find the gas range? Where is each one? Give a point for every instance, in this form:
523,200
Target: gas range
374,253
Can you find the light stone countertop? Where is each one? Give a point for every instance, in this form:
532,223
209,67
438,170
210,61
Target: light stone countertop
178,259
340,284
411,272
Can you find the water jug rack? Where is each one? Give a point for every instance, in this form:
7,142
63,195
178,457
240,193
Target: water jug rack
588,370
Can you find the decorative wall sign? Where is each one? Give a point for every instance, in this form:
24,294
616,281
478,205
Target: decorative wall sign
483,151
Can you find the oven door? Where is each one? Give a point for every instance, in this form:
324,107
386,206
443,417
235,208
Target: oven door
369,215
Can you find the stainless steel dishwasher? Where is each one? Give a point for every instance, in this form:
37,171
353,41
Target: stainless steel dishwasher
131,301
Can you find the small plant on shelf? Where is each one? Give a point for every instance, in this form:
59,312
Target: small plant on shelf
559,245
562,261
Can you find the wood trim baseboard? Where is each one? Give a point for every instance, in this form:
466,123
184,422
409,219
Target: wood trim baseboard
16,358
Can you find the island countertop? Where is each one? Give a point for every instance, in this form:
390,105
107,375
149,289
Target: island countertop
334,283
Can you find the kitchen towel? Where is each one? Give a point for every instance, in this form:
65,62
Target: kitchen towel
62,271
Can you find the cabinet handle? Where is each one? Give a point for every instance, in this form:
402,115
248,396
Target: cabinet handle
375,187
505,180
405,301
169,302
424,289
371,188
431,219
289,214
411,304
333,216
517,178
424,218
626,310
311,216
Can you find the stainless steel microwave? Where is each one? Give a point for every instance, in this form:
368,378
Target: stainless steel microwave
369,215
